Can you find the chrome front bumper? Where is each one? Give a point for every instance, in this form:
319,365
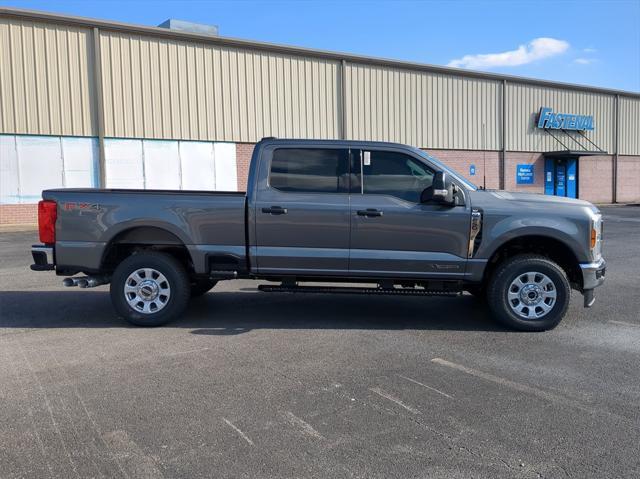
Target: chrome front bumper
42,258
592,277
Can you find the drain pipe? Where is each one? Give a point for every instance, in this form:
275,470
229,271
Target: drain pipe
614,180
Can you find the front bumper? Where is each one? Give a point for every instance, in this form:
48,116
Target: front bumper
42,258
592,277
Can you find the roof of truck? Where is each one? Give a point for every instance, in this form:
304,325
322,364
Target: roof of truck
309,141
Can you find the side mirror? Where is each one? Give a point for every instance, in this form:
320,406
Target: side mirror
440,191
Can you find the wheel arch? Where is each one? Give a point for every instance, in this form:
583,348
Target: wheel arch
545,245
135,238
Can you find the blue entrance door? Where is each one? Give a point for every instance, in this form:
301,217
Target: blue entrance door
561,177
561,180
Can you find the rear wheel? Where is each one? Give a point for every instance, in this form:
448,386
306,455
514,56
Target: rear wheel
529,293
150,289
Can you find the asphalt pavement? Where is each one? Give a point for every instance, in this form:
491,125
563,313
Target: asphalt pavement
251,384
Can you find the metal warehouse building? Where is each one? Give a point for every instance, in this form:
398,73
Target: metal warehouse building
95,103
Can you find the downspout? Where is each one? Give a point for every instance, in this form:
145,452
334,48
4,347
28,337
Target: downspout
503,156
614,186
343,96
99,104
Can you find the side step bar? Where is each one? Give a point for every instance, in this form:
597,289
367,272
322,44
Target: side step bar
352,290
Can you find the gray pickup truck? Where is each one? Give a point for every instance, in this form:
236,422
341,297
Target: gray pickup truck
375,218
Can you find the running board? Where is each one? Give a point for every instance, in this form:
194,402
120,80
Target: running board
350,290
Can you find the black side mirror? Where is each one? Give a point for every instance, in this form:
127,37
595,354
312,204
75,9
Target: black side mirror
440,191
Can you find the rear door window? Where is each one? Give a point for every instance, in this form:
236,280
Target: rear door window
310,170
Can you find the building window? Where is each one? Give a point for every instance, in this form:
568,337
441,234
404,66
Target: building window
310,170
395,174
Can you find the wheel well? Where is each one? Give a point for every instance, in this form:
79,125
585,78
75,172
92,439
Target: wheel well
554,249
142,238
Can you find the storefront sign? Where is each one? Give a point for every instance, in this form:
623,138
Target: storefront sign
548,120
524,175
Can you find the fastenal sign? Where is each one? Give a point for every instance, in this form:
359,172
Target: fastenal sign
548,120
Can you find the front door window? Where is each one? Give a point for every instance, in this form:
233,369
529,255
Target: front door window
395,174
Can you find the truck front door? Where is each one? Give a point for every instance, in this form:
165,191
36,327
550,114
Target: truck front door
392,233
302,211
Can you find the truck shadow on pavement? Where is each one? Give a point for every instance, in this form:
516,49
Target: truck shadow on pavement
231,313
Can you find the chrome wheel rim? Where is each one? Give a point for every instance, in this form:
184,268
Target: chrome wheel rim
532,295
147,290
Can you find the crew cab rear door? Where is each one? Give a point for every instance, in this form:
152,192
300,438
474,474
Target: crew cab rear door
392,233
302,211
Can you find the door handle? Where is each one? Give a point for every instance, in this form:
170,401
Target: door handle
275,210
370,213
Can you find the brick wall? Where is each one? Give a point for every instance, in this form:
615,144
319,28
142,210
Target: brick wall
243,159
18,214
461,160
511,162
628,179
595,178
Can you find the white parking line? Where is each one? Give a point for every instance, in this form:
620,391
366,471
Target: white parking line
302,424
513,385
624,323
394,399
191,351
236,429
425,386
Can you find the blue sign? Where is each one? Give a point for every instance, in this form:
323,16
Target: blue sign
472,170
524,175
548,120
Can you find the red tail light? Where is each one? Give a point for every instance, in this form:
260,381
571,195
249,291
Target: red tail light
47,215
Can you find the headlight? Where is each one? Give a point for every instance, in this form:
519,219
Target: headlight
595,240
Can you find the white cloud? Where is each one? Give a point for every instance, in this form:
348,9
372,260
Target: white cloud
536,49
589,50
584,61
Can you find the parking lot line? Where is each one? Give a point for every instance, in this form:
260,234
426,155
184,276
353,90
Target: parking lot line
237,429
624,323
513,385
425,386
303,425
394,399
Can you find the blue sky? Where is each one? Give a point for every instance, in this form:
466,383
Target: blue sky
587,42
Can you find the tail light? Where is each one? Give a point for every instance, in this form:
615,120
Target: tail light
47,215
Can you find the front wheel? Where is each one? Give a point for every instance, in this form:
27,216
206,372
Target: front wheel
150,289
529,293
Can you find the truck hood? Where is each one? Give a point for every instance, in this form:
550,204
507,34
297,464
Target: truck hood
528,200
538,198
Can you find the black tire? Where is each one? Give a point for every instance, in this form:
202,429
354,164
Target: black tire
177,281
501,282
202,286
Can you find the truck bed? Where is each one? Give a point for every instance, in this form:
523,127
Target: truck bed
207,222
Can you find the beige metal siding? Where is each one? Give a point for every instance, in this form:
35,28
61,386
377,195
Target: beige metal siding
629,126
46,79
159,88
422,109
523,103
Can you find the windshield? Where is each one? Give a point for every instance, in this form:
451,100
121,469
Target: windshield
449,170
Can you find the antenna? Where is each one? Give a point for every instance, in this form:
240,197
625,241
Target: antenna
484,157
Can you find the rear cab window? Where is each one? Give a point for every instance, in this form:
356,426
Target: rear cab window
310,170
